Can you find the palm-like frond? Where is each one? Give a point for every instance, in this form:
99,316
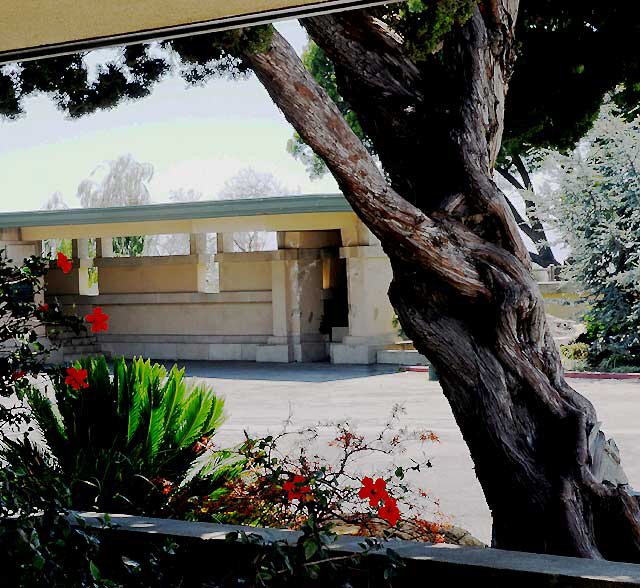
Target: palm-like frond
196,414
111,438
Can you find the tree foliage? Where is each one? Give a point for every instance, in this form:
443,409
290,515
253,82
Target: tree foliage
250,183
595,205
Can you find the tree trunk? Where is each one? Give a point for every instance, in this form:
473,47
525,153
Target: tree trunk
462,285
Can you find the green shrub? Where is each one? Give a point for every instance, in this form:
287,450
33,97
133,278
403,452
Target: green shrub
575,351
120,442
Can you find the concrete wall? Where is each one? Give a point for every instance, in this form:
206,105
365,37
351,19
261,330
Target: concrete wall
176,273
449,565
224,326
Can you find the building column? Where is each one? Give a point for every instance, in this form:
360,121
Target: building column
198,248
297,307
82,262
17,250
370,312
104,247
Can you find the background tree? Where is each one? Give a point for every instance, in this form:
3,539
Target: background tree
120,182
51,246
428,82
249,183
595,206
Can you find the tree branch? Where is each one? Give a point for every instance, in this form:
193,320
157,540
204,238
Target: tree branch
509,177
415,236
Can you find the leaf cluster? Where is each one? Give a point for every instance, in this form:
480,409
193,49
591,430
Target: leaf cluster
118,442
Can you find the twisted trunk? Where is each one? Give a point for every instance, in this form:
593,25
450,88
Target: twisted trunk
462,285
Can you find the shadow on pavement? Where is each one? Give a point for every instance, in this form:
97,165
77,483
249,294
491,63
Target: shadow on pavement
280,372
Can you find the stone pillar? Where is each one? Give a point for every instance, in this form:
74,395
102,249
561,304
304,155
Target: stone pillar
81,260
198,248
296,285
370,312
77,280
16,249
104,247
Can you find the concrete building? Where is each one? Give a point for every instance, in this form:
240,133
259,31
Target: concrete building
321,294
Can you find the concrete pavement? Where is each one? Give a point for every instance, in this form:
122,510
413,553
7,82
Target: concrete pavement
259,397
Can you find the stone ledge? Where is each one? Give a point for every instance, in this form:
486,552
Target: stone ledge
461,564
248,296
150,260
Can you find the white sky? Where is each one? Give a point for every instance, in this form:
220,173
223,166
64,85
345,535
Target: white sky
194,137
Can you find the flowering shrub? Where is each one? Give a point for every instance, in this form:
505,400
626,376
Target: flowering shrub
286,489
298,489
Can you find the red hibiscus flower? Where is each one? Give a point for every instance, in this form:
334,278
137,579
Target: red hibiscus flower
43,307
374,491
163,484
18,374
296,489
389,512
76,378
98,320
64,263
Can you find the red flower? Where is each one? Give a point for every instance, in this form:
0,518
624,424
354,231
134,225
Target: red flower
374,491
18,374
64,263
295,488
98,320
203,444
76,378
43,307
389,511
164,484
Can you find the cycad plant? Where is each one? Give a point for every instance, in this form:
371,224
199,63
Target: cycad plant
113,440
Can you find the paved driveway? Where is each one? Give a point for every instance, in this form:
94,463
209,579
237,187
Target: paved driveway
260,397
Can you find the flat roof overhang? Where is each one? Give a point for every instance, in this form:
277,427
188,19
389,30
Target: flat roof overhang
33,29
282,213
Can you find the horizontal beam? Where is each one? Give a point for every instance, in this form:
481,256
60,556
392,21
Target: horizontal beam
319,221
177,211
33,29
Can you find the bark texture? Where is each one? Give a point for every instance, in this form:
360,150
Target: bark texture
462,285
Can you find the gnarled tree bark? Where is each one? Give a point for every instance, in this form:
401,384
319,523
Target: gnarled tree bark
462,285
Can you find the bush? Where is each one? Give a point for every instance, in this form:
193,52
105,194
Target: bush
575,351
120,442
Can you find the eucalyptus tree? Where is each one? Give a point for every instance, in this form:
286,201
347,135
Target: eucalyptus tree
428,83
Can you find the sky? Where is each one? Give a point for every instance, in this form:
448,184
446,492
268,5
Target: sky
196,138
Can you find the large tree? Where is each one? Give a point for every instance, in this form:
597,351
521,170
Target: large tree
428,82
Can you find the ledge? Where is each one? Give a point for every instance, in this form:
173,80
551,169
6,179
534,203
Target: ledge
249,296
151,260
461,564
